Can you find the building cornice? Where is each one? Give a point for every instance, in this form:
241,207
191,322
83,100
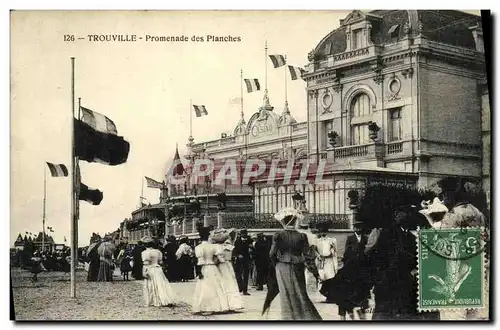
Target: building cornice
423,49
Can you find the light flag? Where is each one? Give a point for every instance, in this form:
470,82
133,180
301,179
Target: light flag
278,60
296,72
253,85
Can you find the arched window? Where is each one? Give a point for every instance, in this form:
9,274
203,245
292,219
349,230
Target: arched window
361,115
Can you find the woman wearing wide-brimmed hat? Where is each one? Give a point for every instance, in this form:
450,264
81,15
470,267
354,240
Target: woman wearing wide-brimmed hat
288,253
209,294
225,238
157,289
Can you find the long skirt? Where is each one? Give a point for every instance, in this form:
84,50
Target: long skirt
93,271
157,290
230,286
326,268
295,303
105,272
209,294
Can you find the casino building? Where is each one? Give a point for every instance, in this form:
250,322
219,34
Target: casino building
394,96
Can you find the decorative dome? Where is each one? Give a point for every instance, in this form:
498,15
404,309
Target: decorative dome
444,26
241,127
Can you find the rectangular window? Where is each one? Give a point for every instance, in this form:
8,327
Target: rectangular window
328,125
357,39
395,133
359,134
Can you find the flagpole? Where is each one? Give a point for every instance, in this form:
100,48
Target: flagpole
44,202
74,221
241,93
190,119
286,94
242,114
265,51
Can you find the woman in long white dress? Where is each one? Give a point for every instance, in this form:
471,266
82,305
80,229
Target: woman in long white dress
157,289
209,294
222,237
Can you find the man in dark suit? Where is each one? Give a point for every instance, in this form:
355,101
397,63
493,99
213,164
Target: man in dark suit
355,274
394,260
241,254
261,249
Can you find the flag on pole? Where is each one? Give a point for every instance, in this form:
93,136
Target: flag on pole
235,100
200,110
151,183
252,85
96,147
98,121
89,195
296,72
278,60
57,170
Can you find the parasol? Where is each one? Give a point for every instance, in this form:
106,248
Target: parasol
106,249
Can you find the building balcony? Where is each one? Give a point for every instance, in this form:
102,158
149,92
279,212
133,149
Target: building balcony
376,152
362,152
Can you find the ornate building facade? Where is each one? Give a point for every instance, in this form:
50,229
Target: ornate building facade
394,96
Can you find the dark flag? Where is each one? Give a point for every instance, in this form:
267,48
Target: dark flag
92,196
97,147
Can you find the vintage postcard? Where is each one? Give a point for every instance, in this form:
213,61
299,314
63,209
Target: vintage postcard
250,165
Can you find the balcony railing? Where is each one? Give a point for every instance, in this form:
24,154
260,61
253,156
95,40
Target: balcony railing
351,151
394,148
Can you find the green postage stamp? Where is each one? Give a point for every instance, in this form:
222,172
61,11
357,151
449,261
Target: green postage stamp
451,268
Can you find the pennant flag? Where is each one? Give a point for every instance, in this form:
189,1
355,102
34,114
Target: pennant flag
57,170
151,183
98,121
278,60
92,196
296,72
97,147
252,85
200,110
235,100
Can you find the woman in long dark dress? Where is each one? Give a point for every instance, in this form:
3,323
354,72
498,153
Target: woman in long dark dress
93,260
288,252
137,257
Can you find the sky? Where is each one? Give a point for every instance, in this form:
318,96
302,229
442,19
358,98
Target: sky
145,88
